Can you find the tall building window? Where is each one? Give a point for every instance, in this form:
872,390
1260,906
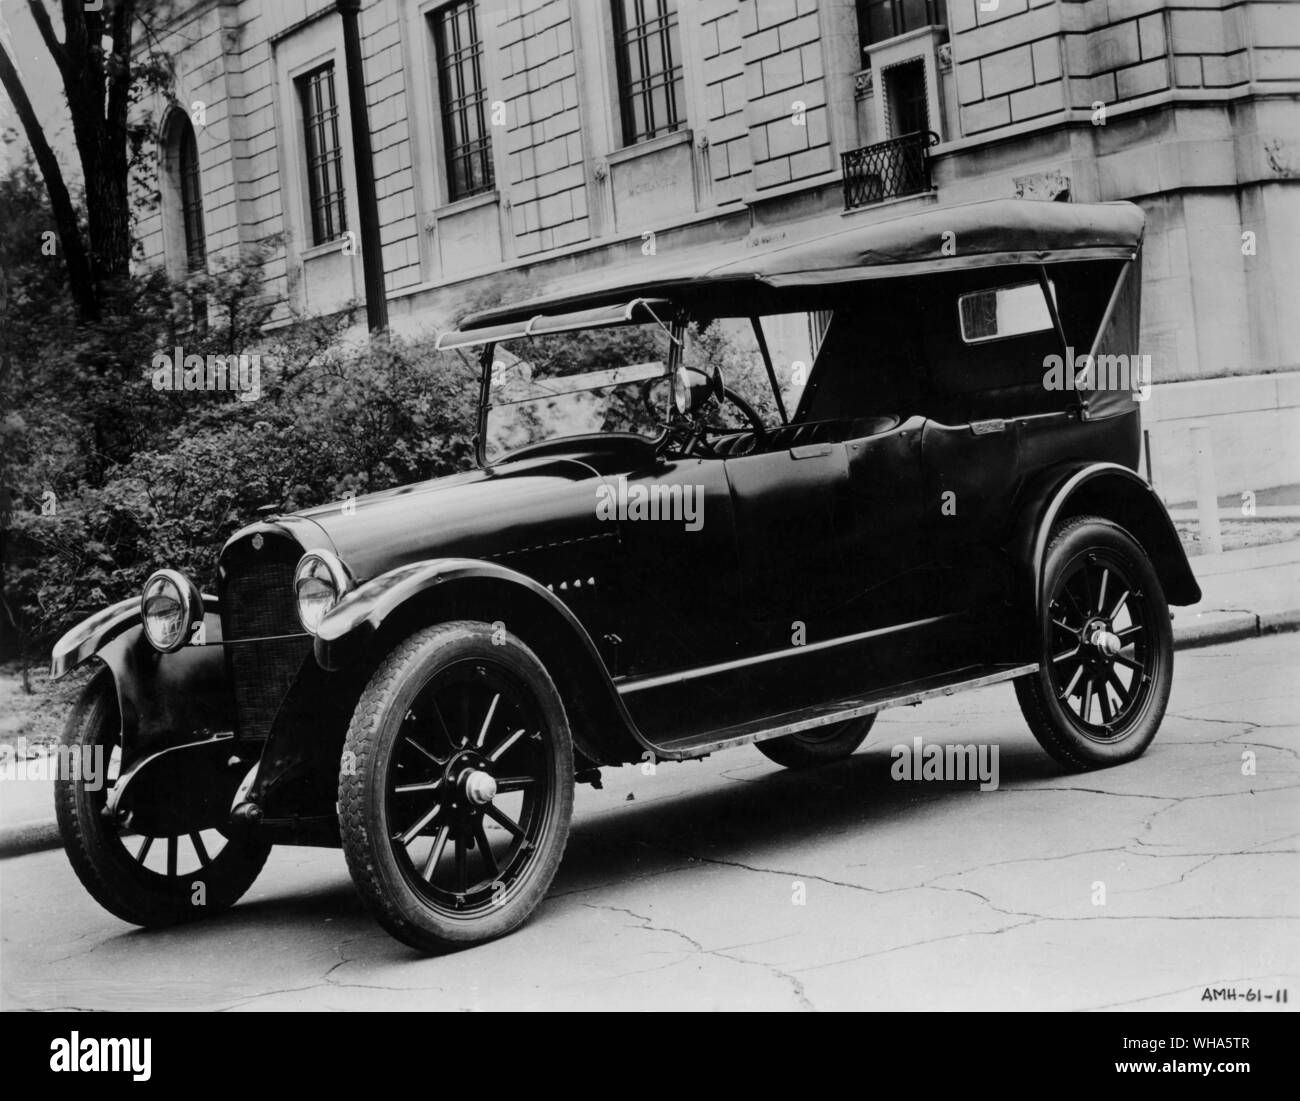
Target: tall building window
320,116
463,100
882,19
196,242
648,54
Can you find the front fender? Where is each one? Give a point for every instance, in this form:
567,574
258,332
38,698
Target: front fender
355,620
91,634
421,592
163,699
1099,489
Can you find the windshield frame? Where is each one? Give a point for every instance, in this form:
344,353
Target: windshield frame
676,330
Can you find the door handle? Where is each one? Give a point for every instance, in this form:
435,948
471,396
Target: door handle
810,451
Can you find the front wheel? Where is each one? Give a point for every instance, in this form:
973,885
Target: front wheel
456,788
1106,649
142,877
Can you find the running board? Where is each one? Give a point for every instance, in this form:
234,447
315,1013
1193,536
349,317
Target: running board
841,710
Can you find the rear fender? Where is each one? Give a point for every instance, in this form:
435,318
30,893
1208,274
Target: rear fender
1098,489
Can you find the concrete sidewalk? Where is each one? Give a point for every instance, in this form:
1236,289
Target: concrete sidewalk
1246,593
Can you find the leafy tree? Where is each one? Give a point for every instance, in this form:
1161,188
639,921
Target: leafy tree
104,74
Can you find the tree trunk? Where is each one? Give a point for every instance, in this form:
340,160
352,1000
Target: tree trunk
80,279
97,86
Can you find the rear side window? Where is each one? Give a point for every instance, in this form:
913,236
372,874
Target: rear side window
996,313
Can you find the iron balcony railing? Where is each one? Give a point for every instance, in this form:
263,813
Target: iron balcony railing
888,169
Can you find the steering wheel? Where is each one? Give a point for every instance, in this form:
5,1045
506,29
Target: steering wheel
751,414
687,432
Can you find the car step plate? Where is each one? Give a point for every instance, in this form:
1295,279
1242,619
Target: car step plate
841,710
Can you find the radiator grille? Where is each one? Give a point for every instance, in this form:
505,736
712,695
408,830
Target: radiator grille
259,603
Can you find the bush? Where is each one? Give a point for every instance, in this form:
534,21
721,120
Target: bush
105,478
383,415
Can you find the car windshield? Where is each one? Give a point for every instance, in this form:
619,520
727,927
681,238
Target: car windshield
615,379
577,383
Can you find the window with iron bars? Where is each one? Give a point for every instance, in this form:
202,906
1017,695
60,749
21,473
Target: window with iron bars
196,244
882,19
648,55
320,114
463,100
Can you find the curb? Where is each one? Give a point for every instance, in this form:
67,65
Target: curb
1213,627
37,836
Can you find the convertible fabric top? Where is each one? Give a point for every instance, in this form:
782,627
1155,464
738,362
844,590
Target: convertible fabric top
986,234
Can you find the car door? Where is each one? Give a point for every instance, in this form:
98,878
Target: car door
899,603
678,592
889,579
971,473
790,506
680,634
834,562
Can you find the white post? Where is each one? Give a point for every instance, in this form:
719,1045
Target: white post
1207,500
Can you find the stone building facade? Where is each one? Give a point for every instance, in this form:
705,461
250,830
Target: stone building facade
522,143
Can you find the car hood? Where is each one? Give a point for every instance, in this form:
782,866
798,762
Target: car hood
480,514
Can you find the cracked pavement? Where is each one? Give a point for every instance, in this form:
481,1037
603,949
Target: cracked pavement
730,883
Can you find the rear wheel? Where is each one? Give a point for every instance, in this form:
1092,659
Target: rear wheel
818,746
456,814
144,879
1106,650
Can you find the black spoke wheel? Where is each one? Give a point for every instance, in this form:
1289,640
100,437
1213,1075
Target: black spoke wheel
144,879
456,814
818,746
1105,648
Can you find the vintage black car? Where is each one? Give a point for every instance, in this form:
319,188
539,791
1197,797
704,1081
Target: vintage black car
666,550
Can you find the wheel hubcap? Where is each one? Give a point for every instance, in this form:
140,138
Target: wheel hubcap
1106,642
480,788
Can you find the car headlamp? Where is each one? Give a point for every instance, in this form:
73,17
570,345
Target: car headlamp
170,605
318,583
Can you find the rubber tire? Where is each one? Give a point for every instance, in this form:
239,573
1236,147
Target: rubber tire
375,871
819,746
1050,723
105,869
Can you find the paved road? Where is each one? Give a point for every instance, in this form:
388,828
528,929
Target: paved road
730,883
